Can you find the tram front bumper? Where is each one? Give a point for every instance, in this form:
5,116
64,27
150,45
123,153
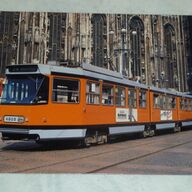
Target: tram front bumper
41,134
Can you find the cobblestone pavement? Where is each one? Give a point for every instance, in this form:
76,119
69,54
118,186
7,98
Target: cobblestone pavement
164,154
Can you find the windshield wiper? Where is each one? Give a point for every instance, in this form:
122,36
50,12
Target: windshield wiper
36,98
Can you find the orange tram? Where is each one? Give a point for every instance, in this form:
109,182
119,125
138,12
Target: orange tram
44,102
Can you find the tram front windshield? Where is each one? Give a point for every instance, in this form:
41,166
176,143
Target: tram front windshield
25,89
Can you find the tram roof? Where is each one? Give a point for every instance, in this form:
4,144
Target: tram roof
86,70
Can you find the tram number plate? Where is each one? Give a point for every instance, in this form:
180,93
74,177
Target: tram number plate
13,119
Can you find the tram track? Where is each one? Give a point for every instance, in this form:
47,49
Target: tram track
137,158
106,153
80,158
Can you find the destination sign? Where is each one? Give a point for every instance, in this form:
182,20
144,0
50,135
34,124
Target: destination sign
22,68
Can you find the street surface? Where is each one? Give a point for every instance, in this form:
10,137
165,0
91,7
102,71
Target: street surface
163,154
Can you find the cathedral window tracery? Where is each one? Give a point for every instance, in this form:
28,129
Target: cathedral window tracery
171,55
137,52
99,40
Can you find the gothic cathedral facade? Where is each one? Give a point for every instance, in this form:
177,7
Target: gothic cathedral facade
151,49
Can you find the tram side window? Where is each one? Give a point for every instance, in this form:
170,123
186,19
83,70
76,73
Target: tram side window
182,106
173,102
107,95
163,102
142,99
132,98
156,100
168,103
120,96
190,104
186,104
65,91
92,93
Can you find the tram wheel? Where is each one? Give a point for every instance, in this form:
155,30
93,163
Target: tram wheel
145,134
85,142
149,131
152,133
177,128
